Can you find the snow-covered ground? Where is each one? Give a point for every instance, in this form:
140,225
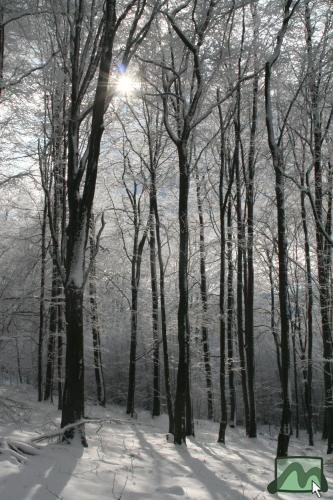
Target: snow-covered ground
132,460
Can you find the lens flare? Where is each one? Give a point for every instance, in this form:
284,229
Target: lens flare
126,85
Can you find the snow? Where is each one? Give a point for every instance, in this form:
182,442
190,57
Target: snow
132,459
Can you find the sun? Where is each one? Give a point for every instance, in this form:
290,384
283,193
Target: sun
126,85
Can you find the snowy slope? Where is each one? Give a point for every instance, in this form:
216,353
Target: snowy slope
132,460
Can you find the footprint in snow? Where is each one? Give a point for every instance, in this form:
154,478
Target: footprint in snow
172,490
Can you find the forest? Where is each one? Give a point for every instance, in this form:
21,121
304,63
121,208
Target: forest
166,273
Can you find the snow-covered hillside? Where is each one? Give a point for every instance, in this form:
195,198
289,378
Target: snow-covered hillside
132,460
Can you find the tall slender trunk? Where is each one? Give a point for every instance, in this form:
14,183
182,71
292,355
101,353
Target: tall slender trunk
135,283
224,407
155,319
183,368
18,361
224,198
188,404
323,248
96,338
61,331
284,319
272,315
284,434
163,310
249,327
62,209
53,329
2,46
204,301
293,339
278,164
324,263
308,372
56,309
230,313
42,304
73,396
82,176
240,252
132,363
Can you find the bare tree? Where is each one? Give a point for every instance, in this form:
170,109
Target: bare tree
88,55
95,327
278,164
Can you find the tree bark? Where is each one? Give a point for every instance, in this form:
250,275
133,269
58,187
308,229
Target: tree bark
273,325
96,338
278,164
204,301
188,405
80,206
42,304
230,314
222,204
293,339
2,46
135,284
56,307
323,247
283,438
155,319
183,368
61,331
53,329
308,372
73,398
249,327
163,311
224,198
240,252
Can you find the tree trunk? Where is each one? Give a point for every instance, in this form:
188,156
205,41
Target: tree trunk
188,409
42,305
204,301
283,438
163,311
230,312
224,407
53,329
132,362
240,252
155,320
224,198
273,326
18,361
295,381
308,374
73,397
249,328
323,247
2,46
278,164
82,176
61,330
56,309
135,283
183,368
97,354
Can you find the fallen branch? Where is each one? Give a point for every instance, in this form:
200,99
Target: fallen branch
99,421
60,432
17,449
